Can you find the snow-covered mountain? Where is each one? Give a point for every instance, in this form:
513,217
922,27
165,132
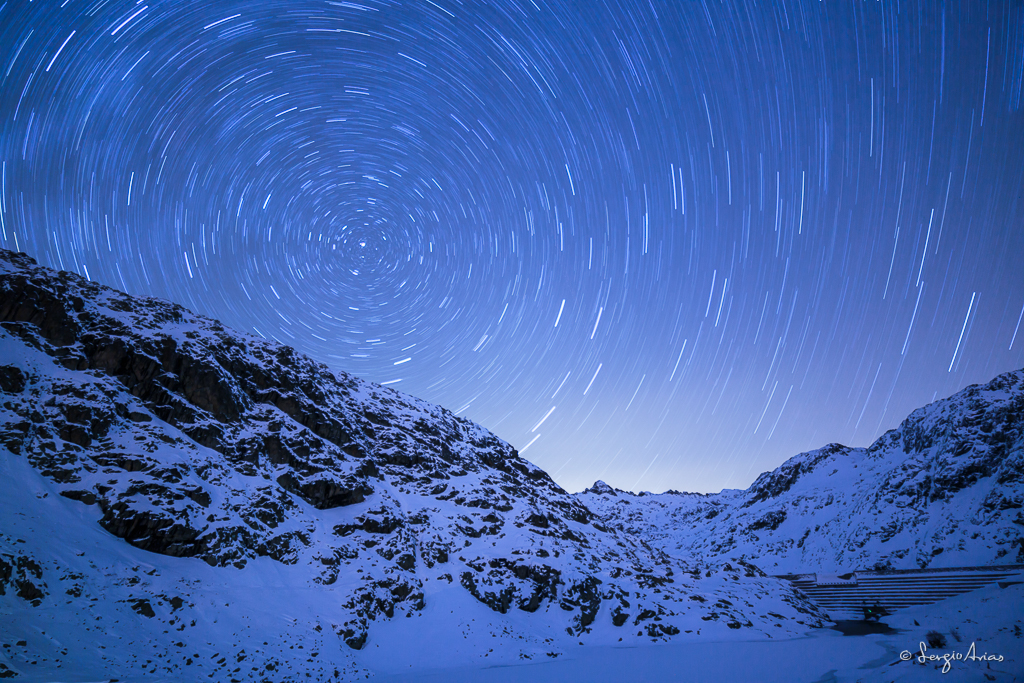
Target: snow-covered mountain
181,499
945,489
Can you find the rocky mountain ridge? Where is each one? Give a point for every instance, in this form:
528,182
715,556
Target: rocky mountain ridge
164,462
944,489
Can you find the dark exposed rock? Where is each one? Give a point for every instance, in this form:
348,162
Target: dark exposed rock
12,379
538,521
355,641
285,547
375,599
150,530
499,601
586,596
142,607
770,520
87,497
24,575
371,524
324,494
263,508
29,591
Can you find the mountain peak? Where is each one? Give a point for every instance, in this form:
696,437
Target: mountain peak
602,489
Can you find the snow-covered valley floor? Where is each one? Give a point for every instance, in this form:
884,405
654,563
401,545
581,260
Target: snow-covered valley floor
783,661
991,619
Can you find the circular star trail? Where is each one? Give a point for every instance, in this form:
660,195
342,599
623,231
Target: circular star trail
665,244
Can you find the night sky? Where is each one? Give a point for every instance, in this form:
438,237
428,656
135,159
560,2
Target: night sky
663,244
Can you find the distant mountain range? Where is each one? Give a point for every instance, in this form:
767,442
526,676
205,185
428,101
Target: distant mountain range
945,489
186,500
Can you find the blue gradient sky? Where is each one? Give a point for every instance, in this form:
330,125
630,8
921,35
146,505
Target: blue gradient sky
664,244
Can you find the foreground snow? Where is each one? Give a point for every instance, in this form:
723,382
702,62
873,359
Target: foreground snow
990,619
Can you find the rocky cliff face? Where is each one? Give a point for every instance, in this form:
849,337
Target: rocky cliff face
202,445
945,489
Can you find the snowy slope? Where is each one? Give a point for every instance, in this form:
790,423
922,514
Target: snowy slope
184,500
945,489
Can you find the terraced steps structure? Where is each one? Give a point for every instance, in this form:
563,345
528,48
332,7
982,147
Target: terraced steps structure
842,595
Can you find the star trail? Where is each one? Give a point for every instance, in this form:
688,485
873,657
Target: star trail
663,244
